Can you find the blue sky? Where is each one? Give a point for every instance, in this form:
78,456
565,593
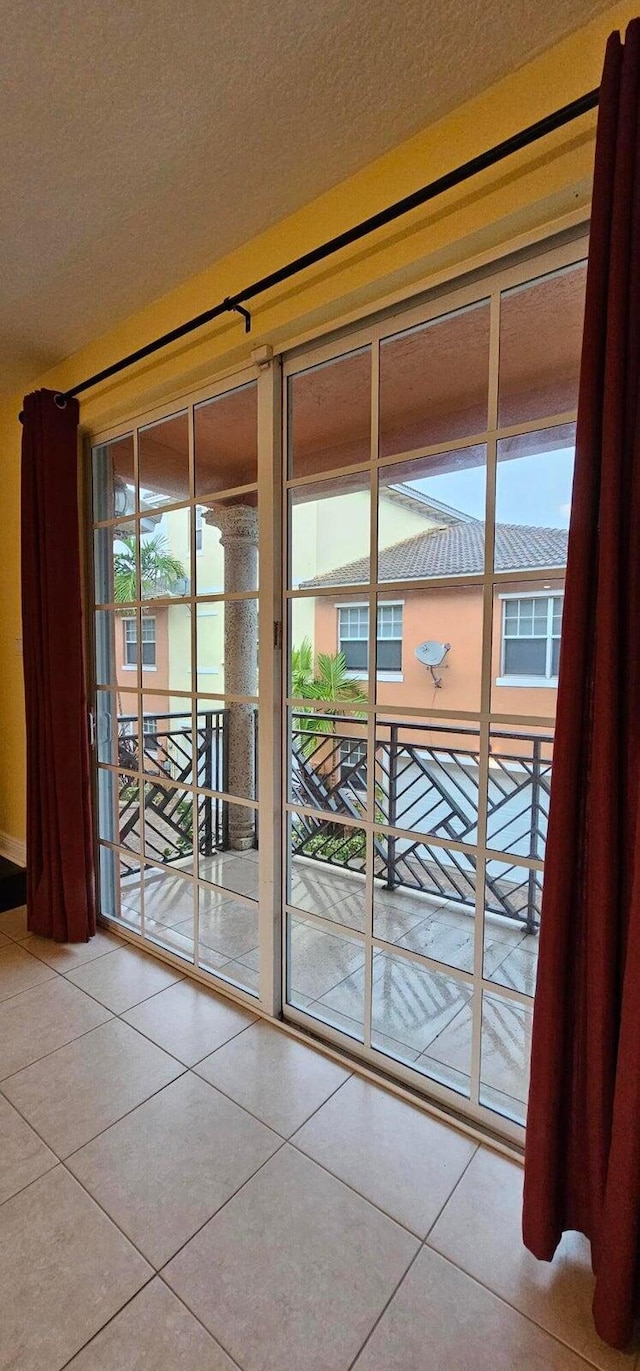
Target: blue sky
530,490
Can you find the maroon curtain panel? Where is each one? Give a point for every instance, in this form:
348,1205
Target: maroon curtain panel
60,879
582,1163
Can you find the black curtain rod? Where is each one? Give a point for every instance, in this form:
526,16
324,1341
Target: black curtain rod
235,303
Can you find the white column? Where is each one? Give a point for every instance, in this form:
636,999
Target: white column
238,526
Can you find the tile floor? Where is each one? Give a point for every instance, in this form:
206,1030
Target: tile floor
185,1187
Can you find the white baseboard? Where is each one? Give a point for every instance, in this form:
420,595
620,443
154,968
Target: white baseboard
14,849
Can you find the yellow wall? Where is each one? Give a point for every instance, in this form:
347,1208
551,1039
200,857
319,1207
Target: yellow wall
531,192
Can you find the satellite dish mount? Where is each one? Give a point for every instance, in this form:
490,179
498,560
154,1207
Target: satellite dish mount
432,654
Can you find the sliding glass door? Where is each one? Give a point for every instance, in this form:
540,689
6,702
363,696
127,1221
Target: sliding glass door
177,518
429,472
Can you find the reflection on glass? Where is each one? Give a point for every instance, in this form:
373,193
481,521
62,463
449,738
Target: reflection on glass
519,786
540,343
330,532
434,381
228,929
329,648
169,824
325,976
108,629
422,1017
527,628
114,489
226,440
120,883
505,1054
169,907
330,415
163,462
326,869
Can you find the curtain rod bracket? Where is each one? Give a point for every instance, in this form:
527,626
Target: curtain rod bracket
239,309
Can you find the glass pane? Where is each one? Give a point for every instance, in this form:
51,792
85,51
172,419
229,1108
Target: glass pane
212,735
523,661
167,738
325,975
226,440
227,647
119,876
534,480
328,637
119,809
513,900
227,559
328,760
441,650
108,630
540,343
419,1017
504,1063
434,381
234,870
169,911
427,777
226,830
330,533
114,492
431,516
165,557
163,462
228,927
115,567
169,824
116,724
510,945
330,415
519,790
326,870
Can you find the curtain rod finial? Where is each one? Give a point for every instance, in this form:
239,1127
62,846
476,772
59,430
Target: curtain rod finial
60,400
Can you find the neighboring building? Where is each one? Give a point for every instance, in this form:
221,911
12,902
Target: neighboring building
526,621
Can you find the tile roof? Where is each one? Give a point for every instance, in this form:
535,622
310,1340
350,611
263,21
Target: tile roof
456,551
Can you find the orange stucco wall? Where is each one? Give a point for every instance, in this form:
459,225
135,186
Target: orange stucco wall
152,681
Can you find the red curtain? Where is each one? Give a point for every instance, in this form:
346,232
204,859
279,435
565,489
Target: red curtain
60,882
582,1165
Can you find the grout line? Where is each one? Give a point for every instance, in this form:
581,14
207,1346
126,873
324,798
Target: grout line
110,1320
198,1320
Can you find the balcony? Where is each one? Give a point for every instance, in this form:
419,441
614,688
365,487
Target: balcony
424,879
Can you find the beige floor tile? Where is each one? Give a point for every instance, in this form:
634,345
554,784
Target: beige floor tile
154,1333
189,1021
276,1078
480,1230
40,1020
13,922
76,1092
64,1270
20,971
440,1320
124,978
23,1157
294,1271
5,940
390,1152
66,956
167,1167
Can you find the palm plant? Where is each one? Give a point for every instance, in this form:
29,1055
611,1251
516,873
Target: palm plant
325,681
160,571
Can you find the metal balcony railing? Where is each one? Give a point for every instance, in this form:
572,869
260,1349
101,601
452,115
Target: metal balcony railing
426,787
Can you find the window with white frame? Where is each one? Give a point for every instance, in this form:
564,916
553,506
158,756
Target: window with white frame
130,632
353,636
353,760
531,626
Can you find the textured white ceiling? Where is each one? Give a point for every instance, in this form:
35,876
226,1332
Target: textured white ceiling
143,139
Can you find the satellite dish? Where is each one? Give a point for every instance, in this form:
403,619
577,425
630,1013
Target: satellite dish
432,653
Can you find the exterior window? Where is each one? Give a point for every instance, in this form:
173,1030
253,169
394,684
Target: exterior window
149,724
353,636
531,637
353,756
199,518
148,641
